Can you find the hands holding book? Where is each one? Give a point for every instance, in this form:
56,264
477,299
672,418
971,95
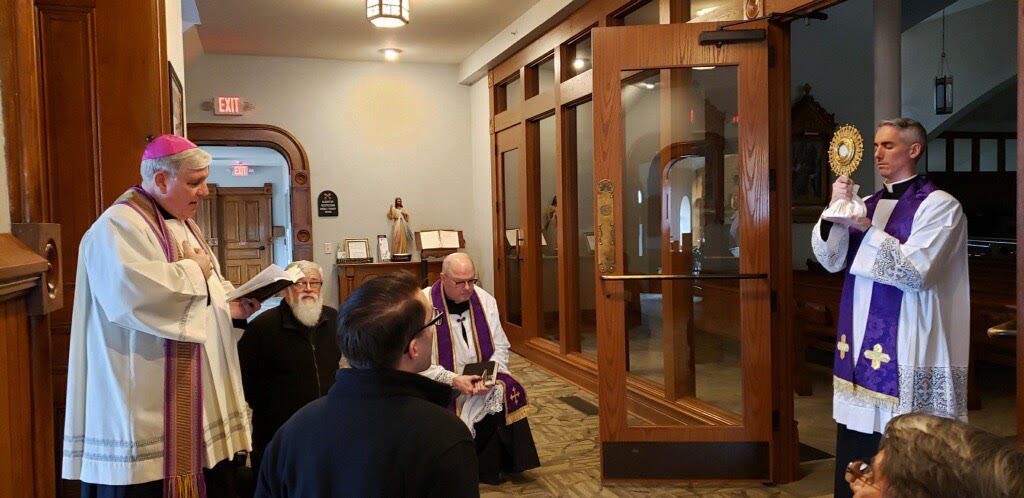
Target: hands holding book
471,384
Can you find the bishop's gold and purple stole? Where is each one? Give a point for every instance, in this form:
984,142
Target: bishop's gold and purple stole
183,380
875,376
516,405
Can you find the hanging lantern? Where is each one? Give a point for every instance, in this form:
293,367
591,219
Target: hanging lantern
943,79
388,13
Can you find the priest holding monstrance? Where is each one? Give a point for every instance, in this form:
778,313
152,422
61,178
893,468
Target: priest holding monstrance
154,404
903,327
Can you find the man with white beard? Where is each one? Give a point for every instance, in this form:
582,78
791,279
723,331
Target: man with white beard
288,356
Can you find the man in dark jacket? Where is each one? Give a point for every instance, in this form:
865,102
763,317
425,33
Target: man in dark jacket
382,430
288,356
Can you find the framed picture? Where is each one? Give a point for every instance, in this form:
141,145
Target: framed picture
812,129
383,249
358,250
177,102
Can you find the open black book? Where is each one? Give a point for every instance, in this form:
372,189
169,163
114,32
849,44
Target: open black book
270,281
487,370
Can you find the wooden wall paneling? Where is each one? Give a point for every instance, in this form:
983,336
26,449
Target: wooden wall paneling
26,441
577,88
282,141
784,447
21,111
538,106
1020,216
591,14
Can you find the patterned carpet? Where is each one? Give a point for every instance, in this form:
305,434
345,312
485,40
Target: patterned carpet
567,441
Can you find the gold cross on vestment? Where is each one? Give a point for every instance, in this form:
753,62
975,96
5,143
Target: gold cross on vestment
515,395
843,347
876,356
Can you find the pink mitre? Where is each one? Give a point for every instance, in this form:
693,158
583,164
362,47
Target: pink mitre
167,145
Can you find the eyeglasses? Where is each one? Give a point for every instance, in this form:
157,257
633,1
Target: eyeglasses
438,315
311,284
460,283
860,471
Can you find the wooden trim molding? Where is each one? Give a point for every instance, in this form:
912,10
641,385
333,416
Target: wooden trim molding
279,139
20,268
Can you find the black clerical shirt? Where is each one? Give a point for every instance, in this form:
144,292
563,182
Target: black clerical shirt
457,309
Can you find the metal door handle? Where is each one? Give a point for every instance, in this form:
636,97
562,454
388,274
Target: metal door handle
1006,329
705,276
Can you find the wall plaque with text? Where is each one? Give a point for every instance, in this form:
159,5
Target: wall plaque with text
327,204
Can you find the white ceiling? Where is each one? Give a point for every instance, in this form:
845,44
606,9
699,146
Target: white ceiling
439,31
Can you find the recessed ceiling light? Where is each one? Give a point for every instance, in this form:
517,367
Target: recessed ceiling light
390,54
579,64
648,85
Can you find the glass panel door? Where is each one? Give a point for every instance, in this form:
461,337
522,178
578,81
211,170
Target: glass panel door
684,320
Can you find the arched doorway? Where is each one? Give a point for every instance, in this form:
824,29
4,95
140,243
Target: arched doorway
264,135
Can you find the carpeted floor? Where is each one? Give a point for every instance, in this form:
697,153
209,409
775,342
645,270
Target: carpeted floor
566,433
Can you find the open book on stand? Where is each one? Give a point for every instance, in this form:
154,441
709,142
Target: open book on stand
487,370
270,281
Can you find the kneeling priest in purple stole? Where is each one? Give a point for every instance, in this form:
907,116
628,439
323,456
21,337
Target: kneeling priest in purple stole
470,332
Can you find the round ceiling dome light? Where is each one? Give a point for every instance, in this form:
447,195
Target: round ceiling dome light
390,54
388,13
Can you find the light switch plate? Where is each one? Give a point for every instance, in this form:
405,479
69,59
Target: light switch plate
328,248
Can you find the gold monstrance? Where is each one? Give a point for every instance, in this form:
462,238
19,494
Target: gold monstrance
845,151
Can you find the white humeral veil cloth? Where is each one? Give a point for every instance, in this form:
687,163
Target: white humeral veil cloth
471,409
933,329
128,301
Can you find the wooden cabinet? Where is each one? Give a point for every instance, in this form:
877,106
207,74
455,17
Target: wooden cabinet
352,275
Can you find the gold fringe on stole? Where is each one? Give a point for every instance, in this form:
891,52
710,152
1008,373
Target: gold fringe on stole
182,486
874,398
513,417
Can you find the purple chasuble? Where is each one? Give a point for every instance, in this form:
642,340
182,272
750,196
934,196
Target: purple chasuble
183,380
876,373
515,396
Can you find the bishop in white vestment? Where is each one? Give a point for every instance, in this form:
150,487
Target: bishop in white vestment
154,388
471,332
903,333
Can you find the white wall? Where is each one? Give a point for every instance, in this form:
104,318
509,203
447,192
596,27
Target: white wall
176,43
981,48
372,131
835,57
483,199
5,212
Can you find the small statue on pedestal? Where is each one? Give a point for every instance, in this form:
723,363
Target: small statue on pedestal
401,235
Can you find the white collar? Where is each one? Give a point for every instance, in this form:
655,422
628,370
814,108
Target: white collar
888,186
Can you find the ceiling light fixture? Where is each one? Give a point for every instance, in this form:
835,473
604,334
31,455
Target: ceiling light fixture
388,13
579,64
648,85
703,68
390,54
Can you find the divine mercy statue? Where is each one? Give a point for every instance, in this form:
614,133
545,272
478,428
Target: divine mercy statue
401,235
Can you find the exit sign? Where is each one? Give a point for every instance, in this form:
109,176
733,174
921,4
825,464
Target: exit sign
228,106
240,169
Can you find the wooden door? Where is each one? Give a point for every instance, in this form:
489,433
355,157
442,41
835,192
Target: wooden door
86,82
244,230
510,252
688,253
206,218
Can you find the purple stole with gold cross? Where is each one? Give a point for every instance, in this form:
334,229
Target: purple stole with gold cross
183,379
516,406
875,377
